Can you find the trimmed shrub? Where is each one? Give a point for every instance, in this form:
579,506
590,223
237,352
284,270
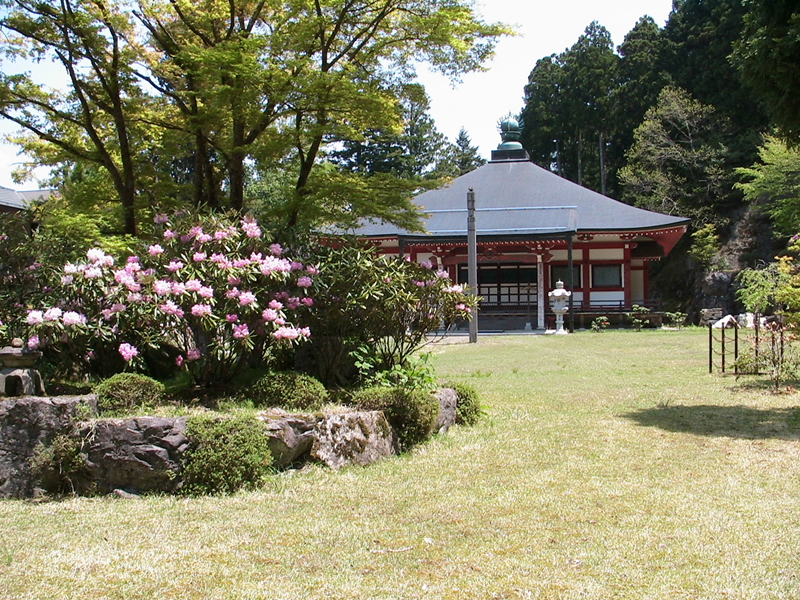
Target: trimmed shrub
412,413
225,455
127,391
289,390
468,405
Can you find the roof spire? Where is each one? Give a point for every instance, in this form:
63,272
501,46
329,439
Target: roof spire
510,148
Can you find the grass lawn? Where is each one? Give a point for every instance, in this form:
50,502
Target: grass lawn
610,466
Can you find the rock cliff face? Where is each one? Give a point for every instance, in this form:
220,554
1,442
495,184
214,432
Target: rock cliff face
145,454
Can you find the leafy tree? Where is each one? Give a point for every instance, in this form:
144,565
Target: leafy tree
775,182
677,162
567,116
767,57
95,121
410,150
701,35
182,96
643,74
459,158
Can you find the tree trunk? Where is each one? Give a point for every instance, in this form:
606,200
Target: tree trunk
602,164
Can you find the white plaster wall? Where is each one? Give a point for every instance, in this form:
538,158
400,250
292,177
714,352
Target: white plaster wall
637,286
606,297
563,255
607,254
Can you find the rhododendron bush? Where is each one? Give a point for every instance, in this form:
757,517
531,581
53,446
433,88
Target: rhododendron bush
382,307
207,293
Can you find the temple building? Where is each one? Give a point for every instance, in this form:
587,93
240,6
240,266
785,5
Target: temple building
535,228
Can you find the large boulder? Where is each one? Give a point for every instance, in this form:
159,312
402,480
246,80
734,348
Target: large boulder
142,454
448,403
291,436
27,424
353,438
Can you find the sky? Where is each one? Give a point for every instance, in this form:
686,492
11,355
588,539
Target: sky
477,103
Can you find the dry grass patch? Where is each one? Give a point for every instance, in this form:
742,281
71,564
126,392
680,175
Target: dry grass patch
610,466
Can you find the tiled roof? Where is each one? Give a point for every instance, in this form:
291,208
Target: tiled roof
11,199
537,202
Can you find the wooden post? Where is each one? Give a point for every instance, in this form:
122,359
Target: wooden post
472,260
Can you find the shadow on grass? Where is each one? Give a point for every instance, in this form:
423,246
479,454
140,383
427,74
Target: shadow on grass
723,421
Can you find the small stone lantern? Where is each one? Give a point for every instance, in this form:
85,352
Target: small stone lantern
559,299
19,376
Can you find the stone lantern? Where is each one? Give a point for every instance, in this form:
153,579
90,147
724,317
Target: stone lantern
559,303
19,376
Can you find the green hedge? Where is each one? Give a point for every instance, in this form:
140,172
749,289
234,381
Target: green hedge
412,413
225,455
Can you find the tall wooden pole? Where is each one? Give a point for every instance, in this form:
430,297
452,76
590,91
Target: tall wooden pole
472,261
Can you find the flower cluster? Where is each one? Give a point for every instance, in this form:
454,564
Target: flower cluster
212,288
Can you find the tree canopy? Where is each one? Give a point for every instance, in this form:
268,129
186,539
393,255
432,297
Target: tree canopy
176,101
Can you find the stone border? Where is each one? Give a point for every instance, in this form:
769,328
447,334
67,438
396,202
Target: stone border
144,454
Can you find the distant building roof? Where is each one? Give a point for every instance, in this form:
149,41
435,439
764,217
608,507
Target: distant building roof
14,200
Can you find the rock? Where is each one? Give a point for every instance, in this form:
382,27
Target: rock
291,436
142,454
448,400
27,423
353,438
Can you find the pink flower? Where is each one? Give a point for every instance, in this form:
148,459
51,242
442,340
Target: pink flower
240,263
312,270
73,318
426,264
127,351
232,318
199,256
160,218
232,293
53,314
442,274
241,331
201,310
171,308
221,235
246,298
203,238
286,333
206,292
275,304
305,282
179,360
70,269
269,314
134,297
34,317
193,285
234,280
178,288
93,273
251,228
67,279
170,235
276,249
307,301
155,250
292,303
162,287
33,342
95,255
193,354
272,264
174,265
296,266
